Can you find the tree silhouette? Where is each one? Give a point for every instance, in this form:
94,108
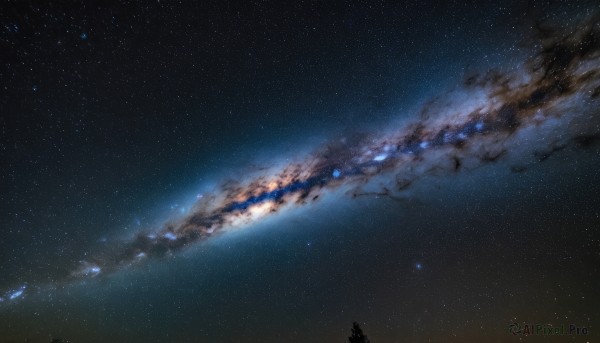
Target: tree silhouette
357,335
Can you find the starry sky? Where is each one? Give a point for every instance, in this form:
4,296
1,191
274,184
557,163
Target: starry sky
273,171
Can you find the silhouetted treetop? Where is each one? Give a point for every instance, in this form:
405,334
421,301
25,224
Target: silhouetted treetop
357,335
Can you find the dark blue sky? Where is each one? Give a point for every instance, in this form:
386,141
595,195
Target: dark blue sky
158,96
114,116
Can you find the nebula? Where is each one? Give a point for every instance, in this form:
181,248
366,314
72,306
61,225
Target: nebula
476,124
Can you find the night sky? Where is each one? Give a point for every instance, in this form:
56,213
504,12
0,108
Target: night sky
274,171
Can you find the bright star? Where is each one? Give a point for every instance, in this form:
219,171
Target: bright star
170,236
380,158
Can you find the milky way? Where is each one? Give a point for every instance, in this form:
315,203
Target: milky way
468,127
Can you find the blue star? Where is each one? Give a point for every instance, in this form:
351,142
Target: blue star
14,28
479,126
418,266
83,36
